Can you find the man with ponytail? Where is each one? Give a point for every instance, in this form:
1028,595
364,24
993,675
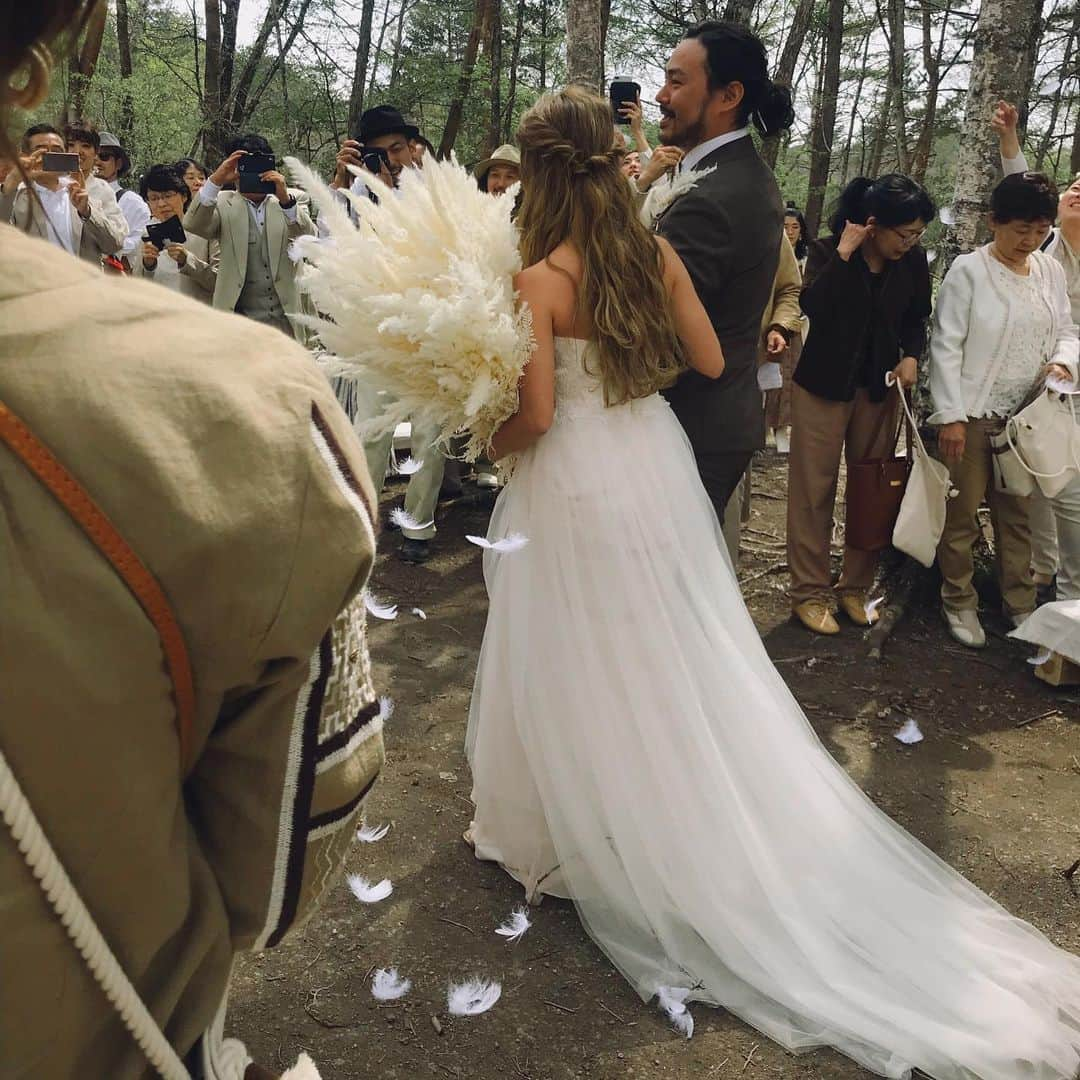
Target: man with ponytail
727,230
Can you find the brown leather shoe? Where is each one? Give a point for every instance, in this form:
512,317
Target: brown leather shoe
854,606
815,615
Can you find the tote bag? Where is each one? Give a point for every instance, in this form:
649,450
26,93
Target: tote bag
1044,438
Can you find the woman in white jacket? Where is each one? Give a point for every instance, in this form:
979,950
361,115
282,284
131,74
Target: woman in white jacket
1002,321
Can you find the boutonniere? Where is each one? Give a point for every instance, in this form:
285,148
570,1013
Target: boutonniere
666,191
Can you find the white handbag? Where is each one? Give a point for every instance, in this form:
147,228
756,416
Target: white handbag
1011,475
921,520
1044,437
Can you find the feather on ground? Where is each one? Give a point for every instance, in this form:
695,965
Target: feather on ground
367,893
371,834
304,1069
377,608
508,544
388,985
472,997
514,928
404,520
672,1000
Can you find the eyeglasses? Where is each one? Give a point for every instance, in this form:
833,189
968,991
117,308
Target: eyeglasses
907,238
162,197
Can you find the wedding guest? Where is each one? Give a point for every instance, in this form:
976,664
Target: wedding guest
727,229
189,268
1048,517
631,165
1002,312
867,294
77,211
421,148
795,230
641,148
196,818
194,173
255,275
500,172
781,345
383,129
113,165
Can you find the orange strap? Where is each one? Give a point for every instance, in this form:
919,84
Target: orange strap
103,534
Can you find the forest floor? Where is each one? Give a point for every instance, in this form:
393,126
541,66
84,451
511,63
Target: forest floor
993,789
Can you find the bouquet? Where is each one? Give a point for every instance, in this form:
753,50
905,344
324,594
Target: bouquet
417,299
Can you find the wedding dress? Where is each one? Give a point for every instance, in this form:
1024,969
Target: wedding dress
633,748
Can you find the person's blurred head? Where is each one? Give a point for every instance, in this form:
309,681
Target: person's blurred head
194,173
717,80
250,144
1022,211
573,192
896,208
82,138
795,228
1069,204
46,138
500,172
165,192
420,149
112,162
631,165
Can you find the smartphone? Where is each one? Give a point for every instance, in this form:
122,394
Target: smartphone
163,233
623,92
374,157
249,168
59,163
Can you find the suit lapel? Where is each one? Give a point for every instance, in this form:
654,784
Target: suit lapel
240,222
274,226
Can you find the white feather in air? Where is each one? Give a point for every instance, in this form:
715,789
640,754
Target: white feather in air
377,608
388,985
419,299
367,893
514,928
371,834
404,520
409,466
472,997
871,607
420,614
513,542
304,1069
386,709
1040,659
672,1000
909,734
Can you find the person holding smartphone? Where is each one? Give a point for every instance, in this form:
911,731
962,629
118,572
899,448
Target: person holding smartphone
57,203
254,216
187,265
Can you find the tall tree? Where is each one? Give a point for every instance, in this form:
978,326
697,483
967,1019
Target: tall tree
468,63
83,62
998,70
584,50
213,102
785,69
515,58
892,23
823,125
739,11
494,54
123,43
360,67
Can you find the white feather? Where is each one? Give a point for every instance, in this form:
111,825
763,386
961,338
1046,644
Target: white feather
909,733
1038,661
409,466
672,1000
947,215
304,1069
513,542
872,606
386,708
514,928
472,997
419,614
404,520
418,299
377,608
371,834
666,190
388,985
367,893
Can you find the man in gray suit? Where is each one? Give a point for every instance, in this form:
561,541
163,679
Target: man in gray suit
727,229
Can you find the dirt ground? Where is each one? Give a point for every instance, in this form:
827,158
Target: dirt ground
993,789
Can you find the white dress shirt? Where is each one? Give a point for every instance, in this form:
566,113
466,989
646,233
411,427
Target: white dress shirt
58,208
703,150
136,214
209,192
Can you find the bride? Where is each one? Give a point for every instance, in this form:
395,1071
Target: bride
633,747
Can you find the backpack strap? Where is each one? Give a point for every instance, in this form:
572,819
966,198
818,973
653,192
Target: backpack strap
101,532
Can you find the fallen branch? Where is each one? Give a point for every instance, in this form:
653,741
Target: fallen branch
461,925
1041,716
776,568
907,574
561,1008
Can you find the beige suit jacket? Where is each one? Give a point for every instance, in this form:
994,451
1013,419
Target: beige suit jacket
242,488
228,221
103,233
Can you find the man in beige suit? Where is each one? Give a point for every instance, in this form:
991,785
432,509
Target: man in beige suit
255,277
77,212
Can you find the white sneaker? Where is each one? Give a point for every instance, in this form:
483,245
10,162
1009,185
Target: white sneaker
783,441
965,628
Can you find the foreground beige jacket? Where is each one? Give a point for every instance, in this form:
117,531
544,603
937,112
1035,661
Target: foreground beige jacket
219,452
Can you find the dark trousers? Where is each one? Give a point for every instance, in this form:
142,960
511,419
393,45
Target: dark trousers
721,473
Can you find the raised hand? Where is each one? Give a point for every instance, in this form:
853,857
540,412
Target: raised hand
177,252
1004,121
227,172
851,239
349,154
281,189
80,198
663,159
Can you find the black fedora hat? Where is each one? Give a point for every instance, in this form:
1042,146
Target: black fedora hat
385,120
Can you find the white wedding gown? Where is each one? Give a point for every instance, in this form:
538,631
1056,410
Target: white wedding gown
633,748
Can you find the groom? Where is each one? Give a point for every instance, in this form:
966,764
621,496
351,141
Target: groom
727,230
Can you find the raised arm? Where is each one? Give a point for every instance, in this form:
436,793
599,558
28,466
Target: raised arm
692,323
1004,122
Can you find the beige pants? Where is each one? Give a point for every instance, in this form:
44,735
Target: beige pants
820,431
973,477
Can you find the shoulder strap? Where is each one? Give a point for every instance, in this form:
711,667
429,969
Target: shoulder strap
104,536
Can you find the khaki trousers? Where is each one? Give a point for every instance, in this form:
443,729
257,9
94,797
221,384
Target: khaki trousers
820,431
973,477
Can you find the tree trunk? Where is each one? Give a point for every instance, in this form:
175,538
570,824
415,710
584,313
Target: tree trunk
856,98
83,63
739,11
584,59
605,20
823,125
543,43
897,73
395,60
230,15
1030,34
932,55
378,47
468,63
241,110
515,57
785,70
998,70
1066,73
213,105
123,41
877,150
494,51
360,68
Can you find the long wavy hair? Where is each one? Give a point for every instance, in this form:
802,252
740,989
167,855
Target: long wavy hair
573,191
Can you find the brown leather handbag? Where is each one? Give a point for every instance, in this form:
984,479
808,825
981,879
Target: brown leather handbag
875,489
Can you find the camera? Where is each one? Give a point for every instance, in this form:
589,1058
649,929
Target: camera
374,157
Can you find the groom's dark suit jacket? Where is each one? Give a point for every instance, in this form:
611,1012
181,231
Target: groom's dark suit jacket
727,230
